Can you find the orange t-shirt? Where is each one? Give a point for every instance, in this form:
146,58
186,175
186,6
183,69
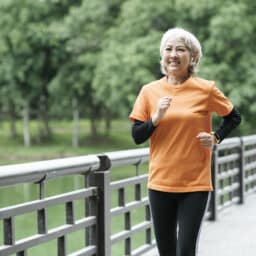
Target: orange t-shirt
178,163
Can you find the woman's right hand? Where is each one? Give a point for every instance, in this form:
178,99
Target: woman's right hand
162,106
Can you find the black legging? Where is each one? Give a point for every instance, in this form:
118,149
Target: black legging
177,218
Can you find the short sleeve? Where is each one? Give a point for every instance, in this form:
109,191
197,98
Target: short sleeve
219,103
140,109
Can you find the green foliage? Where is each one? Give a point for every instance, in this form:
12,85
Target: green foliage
100,53
83,29
229,58
29,52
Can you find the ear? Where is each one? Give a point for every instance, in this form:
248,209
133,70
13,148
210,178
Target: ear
194,59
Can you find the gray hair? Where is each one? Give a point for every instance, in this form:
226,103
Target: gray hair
190,41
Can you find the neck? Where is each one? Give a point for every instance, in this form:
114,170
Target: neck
175,80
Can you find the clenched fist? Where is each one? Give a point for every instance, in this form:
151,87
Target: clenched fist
206,139
162,106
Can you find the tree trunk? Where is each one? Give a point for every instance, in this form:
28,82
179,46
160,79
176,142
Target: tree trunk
26,132
107,122
75,139
43,108
93,122
39,129
12,116
94,130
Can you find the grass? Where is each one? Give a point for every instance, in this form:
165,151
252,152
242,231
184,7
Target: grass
60,144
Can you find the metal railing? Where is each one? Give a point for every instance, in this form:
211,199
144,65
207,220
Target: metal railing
108,201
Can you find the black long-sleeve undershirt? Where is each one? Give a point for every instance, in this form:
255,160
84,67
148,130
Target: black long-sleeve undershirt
141,131
230,122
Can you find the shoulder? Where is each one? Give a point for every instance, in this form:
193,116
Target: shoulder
203,83
154,83
150,87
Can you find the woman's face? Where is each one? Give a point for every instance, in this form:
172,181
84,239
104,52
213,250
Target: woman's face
176,58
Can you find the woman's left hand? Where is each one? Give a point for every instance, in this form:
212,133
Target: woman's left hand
206,139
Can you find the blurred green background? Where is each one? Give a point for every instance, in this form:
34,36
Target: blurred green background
70,70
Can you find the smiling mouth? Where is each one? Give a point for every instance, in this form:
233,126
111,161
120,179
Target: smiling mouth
173,63
173,60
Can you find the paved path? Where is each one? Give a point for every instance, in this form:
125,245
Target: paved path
233,234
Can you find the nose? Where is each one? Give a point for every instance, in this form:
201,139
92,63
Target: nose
173,53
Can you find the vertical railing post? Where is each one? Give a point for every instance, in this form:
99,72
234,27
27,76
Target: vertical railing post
101,178
62,250
90,210
42,227
42,221
214,194
22,253
241,173
9,235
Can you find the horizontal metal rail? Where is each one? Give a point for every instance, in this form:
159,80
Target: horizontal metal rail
45,170
44,203
128,157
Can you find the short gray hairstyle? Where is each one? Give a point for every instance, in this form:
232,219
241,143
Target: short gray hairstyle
190,41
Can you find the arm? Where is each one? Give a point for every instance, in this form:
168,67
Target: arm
141,131
230,121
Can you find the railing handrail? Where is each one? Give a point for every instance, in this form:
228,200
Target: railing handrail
230,143
47,169
249,139
128,157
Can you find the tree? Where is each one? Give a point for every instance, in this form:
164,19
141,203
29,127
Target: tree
230,58
83,29
30,54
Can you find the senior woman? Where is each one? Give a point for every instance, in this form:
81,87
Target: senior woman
175,113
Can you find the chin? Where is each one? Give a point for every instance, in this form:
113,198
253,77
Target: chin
172,70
